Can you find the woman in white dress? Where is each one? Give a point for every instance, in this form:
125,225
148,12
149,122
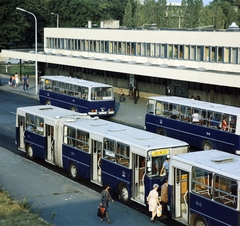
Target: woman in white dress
153,201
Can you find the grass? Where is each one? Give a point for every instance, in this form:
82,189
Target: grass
18,213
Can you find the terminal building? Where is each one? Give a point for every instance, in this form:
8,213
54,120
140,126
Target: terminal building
197,62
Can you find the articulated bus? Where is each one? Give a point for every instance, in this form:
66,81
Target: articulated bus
78,95
204,188
101,151
202,125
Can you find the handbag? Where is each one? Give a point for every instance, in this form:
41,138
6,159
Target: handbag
159,210
101,212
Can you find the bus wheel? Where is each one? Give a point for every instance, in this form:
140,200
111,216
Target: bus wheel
47,102
160,131
73,171
29,153
73,108
207,145
199,222
124,194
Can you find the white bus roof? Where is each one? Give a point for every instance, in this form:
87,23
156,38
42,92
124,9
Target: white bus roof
75,81
122,133
212,160
198,104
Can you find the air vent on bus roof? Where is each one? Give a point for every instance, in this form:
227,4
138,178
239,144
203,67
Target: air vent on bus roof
223,160
116,130
45,108
144,138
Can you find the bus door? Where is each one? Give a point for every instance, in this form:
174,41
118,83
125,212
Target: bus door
50,144
181,195
96,161
138,188
21,126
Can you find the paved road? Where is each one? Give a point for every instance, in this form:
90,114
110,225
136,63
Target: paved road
51,193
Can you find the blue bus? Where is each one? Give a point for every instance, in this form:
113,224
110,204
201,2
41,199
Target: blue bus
78,95
101,151
204,188
202,125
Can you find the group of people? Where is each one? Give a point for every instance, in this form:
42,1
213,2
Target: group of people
154,201
14,81
132,94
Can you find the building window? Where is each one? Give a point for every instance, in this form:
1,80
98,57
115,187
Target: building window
138,49
170,50
192,52
175,51
213,54
233,55
220,52
198,53
157,50
143,49
226,54
186,53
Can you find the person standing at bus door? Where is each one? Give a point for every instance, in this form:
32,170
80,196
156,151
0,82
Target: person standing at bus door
153,201
165,166
105,198
164,199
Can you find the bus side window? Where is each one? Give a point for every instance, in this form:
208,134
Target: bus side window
174,111
159,108
150,107
214,120
185,113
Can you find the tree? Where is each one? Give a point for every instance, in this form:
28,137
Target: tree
13,23
161,13
127,17
138,16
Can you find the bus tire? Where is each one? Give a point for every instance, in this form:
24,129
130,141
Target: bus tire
73,108
29,152
160,131
199,221
48,102
124,194
73,171
206,145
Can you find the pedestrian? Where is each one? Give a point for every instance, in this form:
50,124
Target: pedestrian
121,96
153,201
25,82
131,91
165,166
13,81
105,198
164,199
10,81
16,78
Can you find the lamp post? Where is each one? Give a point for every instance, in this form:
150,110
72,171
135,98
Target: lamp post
36,62
57,18
174,15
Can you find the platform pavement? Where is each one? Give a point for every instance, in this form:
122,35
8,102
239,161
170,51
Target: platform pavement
132,113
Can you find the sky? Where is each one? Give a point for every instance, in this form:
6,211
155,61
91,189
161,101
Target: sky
205,2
